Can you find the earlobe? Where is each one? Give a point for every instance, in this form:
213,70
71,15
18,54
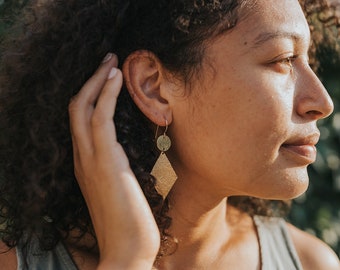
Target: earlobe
144,79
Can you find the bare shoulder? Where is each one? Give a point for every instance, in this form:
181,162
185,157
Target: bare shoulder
8,259
313,253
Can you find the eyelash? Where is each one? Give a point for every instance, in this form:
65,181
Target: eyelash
282,64
288,61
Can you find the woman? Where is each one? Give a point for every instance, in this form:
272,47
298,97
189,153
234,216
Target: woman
228,82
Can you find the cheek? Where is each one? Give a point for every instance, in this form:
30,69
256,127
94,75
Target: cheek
231,138
232,134
253,117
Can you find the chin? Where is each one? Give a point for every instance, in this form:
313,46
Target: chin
299,182
293,193
290,185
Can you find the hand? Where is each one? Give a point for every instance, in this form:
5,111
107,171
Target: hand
126,231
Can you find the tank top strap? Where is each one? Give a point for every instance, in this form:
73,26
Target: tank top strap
277,249
56,259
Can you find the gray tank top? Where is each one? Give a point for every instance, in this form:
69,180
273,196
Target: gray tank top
276,247
277,250
56,259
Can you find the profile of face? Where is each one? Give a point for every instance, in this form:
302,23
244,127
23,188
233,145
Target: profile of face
248,125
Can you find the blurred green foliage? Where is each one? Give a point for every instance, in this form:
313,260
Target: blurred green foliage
318,210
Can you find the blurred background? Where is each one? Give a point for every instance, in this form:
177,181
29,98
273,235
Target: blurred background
318,210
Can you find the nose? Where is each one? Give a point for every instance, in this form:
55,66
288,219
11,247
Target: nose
312,99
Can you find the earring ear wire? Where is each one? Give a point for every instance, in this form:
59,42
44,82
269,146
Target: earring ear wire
162,170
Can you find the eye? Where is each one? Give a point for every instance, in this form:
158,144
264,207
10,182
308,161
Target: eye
287,61
283,65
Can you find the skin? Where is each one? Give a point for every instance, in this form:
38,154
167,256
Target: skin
252,99
255,96
95,153
248,127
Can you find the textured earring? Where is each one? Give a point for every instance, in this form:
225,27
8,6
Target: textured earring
162,170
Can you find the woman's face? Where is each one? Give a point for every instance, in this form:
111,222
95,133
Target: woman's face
249,125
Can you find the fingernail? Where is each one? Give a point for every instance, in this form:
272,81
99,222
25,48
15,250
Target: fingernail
112,73
107,57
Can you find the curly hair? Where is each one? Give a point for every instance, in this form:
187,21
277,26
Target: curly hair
56,46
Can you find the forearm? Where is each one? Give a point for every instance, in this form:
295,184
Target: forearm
131,263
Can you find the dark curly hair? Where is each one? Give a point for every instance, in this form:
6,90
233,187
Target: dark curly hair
55,47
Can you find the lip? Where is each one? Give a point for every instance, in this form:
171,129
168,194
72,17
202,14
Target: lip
302,148
304,153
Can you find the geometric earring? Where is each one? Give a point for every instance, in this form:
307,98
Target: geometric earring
162,170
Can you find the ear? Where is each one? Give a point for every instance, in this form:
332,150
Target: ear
145,81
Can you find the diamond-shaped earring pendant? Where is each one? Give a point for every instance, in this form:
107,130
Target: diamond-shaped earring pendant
164,174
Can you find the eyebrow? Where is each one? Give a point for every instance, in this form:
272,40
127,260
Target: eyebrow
266,36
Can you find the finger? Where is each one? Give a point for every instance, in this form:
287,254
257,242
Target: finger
103,129
80,128
92,88
81,106
75,149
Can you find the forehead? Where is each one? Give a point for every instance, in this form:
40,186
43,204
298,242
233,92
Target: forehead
270,19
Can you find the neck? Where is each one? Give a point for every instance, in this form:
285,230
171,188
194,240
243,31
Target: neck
198,215
195,221
206,229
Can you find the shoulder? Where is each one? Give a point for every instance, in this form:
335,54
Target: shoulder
8,259
313,253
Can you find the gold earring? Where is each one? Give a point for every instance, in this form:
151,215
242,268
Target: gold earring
162,170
